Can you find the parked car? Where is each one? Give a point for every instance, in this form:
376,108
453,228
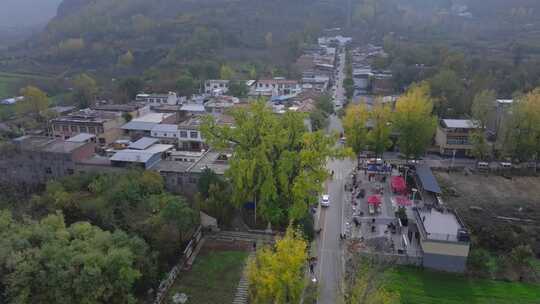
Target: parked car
325,200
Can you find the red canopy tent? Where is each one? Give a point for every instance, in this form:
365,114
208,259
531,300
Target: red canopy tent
398,184
403,201
374,200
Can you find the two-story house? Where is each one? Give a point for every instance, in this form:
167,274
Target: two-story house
276,87
216,86
104,124
454,136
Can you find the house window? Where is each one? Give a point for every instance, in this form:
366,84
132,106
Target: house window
183,134
83,129
92,130
48,170
194,134
65,128
70,171
73,128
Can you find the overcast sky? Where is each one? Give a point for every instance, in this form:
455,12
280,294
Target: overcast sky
27,12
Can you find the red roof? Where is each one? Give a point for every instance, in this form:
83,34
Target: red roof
374,200
403,201
398,183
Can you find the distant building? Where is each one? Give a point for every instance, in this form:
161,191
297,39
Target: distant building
35,160
220,104
166,133
105,125
316,82
276,87
189,135
144,153
142,126
134,109
11,101
454,136
183,176
158,99
216,87
336,40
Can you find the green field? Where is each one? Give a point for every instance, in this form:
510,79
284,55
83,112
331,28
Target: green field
6,86
8,82
213,278
425,287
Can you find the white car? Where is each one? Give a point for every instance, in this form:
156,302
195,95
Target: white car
325,201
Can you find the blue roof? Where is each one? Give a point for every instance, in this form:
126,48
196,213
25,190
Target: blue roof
428,181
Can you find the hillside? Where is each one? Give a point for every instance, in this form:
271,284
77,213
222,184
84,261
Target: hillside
122,37
94,34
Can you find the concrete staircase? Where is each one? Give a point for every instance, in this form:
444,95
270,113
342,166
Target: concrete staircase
242,291
243,236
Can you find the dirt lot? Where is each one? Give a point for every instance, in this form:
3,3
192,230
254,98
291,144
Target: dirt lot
480,199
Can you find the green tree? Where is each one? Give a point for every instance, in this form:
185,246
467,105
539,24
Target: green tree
323,109
208,178
49,262
482,106
448,89
226,72
176,212
480,148
379,136
85,90
522,138
414,121
276,275
185,85
318,119
238,89
128,88
35,102
325,104
276,163
354,124
126,59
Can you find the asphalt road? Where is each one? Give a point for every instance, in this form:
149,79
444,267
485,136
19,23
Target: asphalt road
330,266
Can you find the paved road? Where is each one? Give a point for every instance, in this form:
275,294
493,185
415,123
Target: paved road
330,267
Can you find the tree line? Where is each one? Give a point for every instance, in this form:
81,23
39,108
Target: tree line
92,238
412,120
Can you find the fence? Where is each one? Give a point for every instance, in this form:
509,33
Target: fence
399,259
164,286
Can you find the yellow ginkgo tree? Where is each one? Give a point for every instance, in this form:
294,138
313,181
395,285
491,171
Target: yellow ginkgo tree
276,274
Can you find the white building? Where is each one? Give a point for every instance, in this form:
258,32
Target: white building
276,87
216,87
159,99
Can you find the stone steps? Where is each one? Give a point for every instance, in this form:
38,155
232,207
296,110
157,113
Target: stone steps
242,291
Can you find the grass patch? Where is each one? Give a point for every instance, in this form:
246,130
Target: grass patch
7,86
423,286
213,278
